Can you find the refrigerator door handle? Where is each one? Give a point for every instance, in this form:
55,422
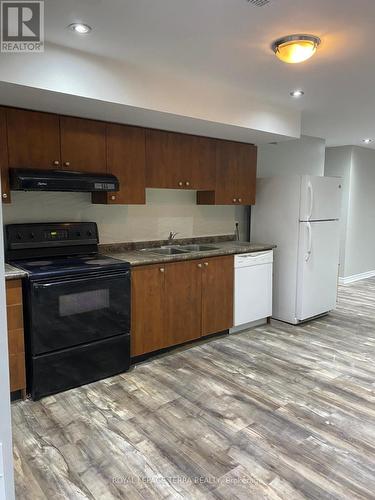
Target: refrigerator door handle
311,191
309,246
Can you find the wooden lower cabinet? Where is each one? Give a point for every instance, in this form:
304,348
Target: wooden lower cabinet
16,345
180,301
217,294
147,309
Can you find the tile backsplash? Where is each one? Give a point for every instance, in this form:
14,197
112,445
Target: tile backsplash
166,210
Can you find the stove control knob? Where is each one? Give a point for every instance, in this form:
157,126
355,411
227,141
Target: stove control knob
32,236
19,236
78,233
89,233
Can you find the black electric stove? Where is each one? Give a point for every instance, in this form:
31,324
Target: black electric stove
76,305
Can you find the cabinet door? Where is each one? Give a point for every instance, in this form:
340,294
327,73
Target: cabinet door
5,191
147,316
126,160
33,139
83,144
183,308
203,163
226,173
235,175
217,294
165,160
246,174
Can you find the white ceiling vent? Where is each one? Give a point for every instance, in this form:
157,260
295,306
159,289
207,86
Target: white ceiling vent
258,3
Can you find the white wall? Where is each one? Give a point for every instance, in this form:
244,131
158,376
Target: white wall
6,484
166,210
338,164
104,80
295,157
357,167
360,246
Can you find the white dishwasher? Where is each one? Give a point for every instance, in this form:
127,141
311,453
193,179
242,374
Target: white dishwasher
252,287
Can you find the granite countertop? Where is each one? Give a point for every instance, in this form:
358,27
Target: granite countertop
12,273
139,257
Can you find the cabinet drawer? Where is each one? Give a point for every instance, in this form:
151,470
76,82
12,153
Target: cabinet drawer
17,371
16,343
14,292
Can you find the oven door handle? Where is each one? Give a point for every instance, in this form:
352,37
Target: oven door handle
81,279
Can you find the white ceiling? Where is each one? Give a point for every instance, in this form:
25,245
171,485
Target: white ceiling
229,41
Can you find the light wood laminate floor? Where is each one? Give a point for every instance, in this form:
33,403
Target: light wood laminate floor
275,412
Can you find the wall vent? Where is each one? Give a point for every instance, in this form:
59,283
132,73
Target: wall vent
258,3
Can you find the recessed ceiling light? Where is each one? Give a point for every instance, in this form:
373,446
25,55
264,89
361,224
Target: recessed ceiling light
297,93
295,48
80,28
367,141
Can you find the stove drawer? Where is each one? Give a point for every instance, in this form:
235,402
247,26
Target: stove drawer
68,312
56,372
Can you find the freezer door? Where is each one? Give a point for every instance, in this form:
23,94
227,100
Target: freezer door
318,262
320,198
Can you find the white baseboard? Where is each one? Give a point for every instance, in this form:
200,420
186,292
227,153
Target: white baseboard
356,277
248,326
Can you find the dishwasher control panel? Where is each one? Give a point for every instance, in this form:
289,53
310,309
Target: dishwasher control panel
253,259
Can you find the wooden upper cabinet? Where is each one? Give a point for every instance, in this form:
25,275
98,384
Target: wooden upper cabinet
179,161
217,294
5,190
126,159
235,175
147,329
182,302
33,139
83,144
246,174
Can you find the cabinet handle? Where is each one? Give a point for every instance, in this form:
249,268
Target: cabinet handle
56,163
199,265
206,264
234,200
239,200
113,197
5,196
180,183
162,269
67,163
187,183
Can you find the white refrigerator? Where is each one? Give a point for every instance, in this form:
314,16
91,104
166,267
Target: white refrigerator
300,214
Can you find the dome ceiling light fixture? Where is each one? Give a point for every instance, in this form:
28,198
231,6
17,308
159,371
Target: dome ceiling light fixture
367,141
295,49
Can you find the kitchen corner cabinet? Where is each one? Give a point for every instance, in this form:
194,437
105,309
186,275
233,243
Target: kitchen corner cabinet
16,336
126,159
179,161
180,301
5,191
235,175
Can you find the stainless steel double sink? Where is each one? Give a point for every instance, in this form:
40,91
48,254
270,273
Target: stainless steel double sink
179,249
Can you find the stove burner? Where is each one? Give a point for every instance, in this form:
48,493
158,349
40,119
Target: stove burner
40,263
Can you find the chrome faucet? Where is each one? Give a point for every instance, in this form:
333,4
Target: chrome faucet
172,236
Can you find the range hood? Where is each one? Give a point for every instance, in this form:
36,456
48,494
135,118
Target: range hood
24,179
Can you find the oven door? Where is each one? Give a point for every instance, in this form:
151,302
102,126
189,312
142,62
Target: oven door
67,312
